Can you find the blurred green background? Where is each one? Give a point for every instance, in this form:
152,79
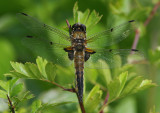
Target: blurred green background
54,13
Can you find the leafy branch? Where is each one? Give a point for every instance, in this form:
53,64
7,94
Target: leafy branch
119,87
10,91
145,24
122,86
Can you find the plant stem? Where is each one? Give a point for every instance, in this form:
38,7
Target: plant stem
70,90
81,104
145,24
68,23
105,102
152,14
11,105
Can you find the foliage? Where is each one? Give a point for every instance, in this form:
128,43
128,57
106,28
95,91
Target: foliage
86,18
117,88
13,90
97,82
43,70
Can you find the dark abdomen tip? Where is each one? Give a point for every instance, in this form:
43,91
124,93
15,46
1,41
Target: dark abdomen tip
131,21
24,14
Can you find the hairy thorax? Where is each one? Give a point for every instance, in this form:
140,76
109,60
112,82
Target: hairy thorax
78,41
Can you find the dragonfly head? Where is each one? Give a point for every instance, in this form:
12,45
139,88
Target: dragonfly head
79,27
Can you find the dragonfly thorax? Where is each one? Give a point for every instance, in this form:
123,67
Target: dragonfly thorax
79,27
78,37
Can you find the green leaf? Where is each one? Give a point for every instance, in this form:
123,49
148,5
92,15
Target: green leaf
19,67
32,70
50,71
47,106
4,85
16,74
93,19
135,82
12,82
16,89
86,18
116,86
75,12
93,99
27,95
122,79
153,110
3,94
144,85
120,87
41,63
35,106
113,88
16,100
43,70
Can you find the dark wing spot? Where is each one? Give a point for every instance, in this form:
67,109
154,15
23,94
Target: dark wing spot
110,50
131,21
44,25
51,43
29,36
24,14
111,29
134,49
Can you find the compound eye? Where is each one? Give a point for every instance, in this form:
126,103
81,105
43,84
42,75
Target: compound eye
83,28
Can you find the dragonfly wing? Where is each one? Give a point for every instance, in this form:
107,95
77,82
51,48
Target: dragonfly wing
111,36
110,58
45,41
42,30
47,49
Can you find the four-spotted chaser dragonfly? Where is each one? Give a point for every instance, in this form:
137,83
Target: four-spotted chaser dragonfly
79,47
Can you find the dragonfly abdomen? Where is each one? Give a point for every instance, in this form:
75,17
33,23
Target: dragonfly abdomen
79,66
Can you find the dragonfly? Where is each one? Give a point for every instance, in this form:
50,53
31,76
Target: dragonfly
76,46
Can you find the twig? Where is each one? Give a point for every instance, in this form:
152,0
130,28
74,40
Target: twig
81,104
152,14
68,23
70,90
105,102
11,105
136,39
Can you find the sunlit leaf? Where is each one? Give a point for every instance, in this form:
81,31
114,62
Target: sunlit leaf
121,87
12,82
16,74
35,106
153,110
47,106
75,12
19,67
41,63
27,95
42,70
4,85
145,84
32,70
93,19
93,99
3,94
135,82
16,89
85,17
51,71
